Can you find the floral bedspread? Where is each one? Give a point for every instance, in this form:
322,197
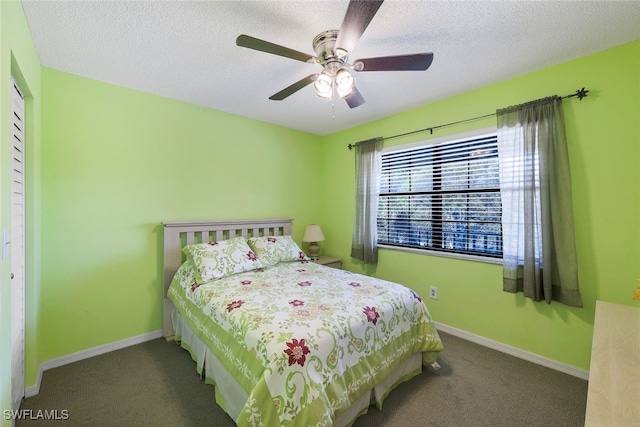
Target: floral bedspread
305,340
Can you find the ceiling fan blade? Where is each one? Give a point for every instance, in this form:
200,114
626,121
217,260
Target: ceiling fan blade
412,62
359,15
293,88
355,99
264,46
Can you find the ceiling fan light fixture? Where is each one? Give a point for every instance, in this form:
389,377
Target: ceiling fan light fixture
345,83
324,85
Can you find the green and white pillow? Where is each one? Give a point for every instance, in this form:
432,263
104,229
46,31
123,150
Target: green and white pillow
272,250
214,260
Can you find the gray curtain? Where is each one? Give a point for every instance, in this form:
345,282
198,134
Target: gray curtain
364,245
537,214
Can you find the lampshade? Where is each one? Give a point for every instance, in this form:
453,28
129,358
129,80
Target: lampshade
344,83
313,233
324,85
334,78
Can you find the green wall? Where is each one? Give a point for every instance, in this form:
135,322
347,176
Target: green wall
115,164
604,148
18,58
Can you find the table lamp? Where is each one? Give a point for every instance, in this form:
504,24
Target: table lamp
313,235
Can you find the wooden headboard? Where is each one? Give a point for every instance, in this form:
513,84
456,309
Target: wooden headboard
179,234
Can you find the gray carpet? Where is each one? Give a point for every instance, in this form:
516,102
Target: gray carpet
155,384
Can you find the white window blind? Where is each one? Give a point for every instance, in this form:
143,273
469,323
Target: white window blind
442,197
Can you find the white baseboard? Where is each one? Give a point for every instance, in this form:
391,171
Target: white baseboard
32,390
513,351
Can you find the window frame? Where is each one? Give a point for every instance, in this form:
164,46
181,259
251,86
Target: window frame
477,133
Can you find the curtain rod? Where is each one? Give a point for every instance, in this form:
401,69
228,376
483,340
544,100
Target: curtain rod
580,93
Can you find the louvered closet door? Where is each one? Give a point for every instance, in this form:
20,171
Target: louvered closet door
17,245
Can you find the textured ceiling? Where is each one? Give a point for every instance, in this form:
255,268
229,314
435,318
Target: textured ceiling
186,50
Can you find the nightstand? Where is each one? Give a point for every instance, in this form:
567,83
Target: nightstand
329,261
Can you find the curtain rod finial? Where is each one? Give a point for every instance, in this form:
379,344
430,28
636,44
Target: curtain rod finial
582,93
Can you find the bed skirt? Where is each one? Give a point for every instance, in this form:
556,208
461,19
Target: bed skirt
231,397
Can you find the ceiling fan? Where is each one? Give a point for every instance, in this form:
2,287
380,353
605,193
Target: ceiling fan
332,48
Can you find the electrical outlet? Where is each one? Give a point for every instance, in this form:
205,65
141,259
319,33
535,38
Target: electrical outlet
433,292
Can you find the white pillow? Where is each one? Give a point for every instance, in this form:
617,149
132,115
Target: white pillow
272,250
214,260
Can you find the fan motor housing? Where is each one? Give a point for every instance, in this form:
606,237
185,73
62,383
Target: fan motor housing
324,44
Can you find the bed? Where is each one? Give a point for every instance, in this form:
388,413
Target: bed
286,341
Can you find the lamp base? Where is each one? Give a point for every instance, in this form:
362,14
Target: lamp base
314,250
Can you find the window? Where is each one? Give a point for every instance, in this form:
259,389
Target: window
443,197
